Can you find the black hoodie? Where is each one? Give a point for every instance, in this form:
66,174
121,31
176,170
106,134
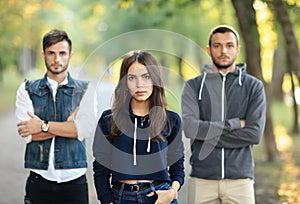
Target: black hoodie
212,106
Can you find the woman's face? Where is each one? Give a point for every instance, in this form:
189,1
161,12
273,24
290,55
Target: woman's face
139,82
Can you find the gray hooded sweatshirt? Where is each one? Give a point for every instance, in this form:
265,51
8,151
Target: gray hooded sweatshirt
212,106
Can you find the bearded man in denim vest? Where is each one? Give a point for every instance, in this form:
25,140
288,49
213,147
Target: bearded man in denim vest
55,127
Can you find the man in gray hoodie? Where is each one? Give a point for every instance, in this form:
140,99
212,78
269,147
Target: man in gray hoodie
223,112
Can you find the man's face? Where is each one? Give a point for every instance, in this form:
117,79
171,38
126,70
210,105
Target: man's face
223,50
57,58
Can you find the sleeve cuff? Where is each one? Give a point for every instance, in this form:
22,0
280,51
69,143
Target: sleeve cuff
180,180
234,123
28,139
107,198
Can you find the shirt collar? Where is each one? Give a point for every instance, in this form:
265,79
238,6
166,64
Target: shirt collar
54,84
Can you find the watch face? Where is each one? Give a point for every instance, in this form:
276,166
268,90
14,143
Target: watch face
45,127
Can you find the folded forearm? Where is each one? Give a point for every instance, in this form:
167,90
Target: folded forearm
63,129
42,136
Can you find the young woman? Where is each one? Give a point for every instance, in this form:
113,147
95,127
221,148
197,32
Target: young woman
138,146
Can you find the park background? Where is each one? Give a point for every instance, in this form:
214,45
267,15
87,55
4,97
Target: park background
176,32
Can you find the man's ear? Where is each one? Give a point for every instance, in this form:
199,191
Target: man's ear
208,50
238,50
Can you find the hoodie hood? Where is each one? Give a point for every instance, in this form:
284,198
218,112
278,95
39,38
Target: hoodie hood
241,67
208,71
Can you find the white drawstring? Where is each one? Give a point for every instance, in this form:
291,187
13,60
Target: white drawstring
148,146
134,141
201,87
240,77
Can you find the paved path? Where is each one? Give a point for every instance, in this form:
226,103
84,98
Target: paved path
13,175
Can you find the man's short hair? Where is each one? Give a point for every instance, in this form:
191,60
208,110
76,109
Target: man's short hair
54,36
223,29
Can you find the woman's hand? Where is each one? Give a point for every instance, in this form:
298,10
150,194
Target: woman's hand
164,196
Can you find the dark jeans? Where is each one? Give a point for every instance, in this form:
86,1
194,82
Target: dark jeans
122,196
42,191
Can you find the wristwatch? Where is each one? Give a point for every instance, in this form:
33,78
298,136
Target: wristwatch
45,126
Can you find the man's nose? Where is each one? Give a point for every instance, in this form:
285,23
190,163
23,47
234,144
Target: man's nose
57,58
223,49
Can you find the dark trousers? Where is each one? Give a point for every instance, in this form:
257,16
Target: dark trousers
42,191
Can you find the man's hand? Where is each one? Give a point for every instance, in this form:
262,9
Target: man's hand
33,127
30,127
243,123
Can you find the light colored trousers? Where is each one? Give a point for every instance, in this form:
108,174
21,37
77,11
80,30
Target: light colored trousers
226,191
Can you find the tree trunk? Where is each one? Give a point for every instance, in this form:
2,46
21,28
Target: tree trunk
293,50
1,70
288,31
179,64
247,22
270,143
295,106
26,60
279,69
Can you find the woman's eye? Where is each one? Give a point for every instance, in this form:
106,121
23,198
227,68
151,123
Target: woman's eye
130,78
146,77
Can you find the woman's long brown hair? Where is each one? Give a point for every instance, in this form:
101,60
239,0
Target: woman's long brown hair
122,96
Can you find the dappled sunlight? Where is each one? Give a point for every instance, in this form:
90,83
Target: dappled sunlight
126,4
286,85
31,9
292,2
297,95
188,71
114,70
268,37
287,89
289,187
283,140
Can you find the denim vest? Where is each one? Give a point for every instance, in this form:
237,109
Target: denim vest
69,153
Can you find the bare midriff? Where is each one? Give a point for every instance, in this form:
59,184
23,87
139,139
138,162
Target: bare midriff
135,181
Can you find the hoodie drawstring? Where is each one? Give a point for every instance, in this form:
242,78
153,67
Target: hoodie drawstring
201,87
148,146
134,141
240,77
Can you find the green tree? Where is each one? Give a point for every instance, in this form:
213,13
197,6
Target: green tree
293,54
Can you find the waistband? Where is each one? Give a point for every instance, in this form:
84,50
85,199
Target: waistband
136,187
39,178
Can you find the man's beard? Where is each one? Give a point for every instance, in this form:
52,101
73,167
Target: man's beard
220,67
56,72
